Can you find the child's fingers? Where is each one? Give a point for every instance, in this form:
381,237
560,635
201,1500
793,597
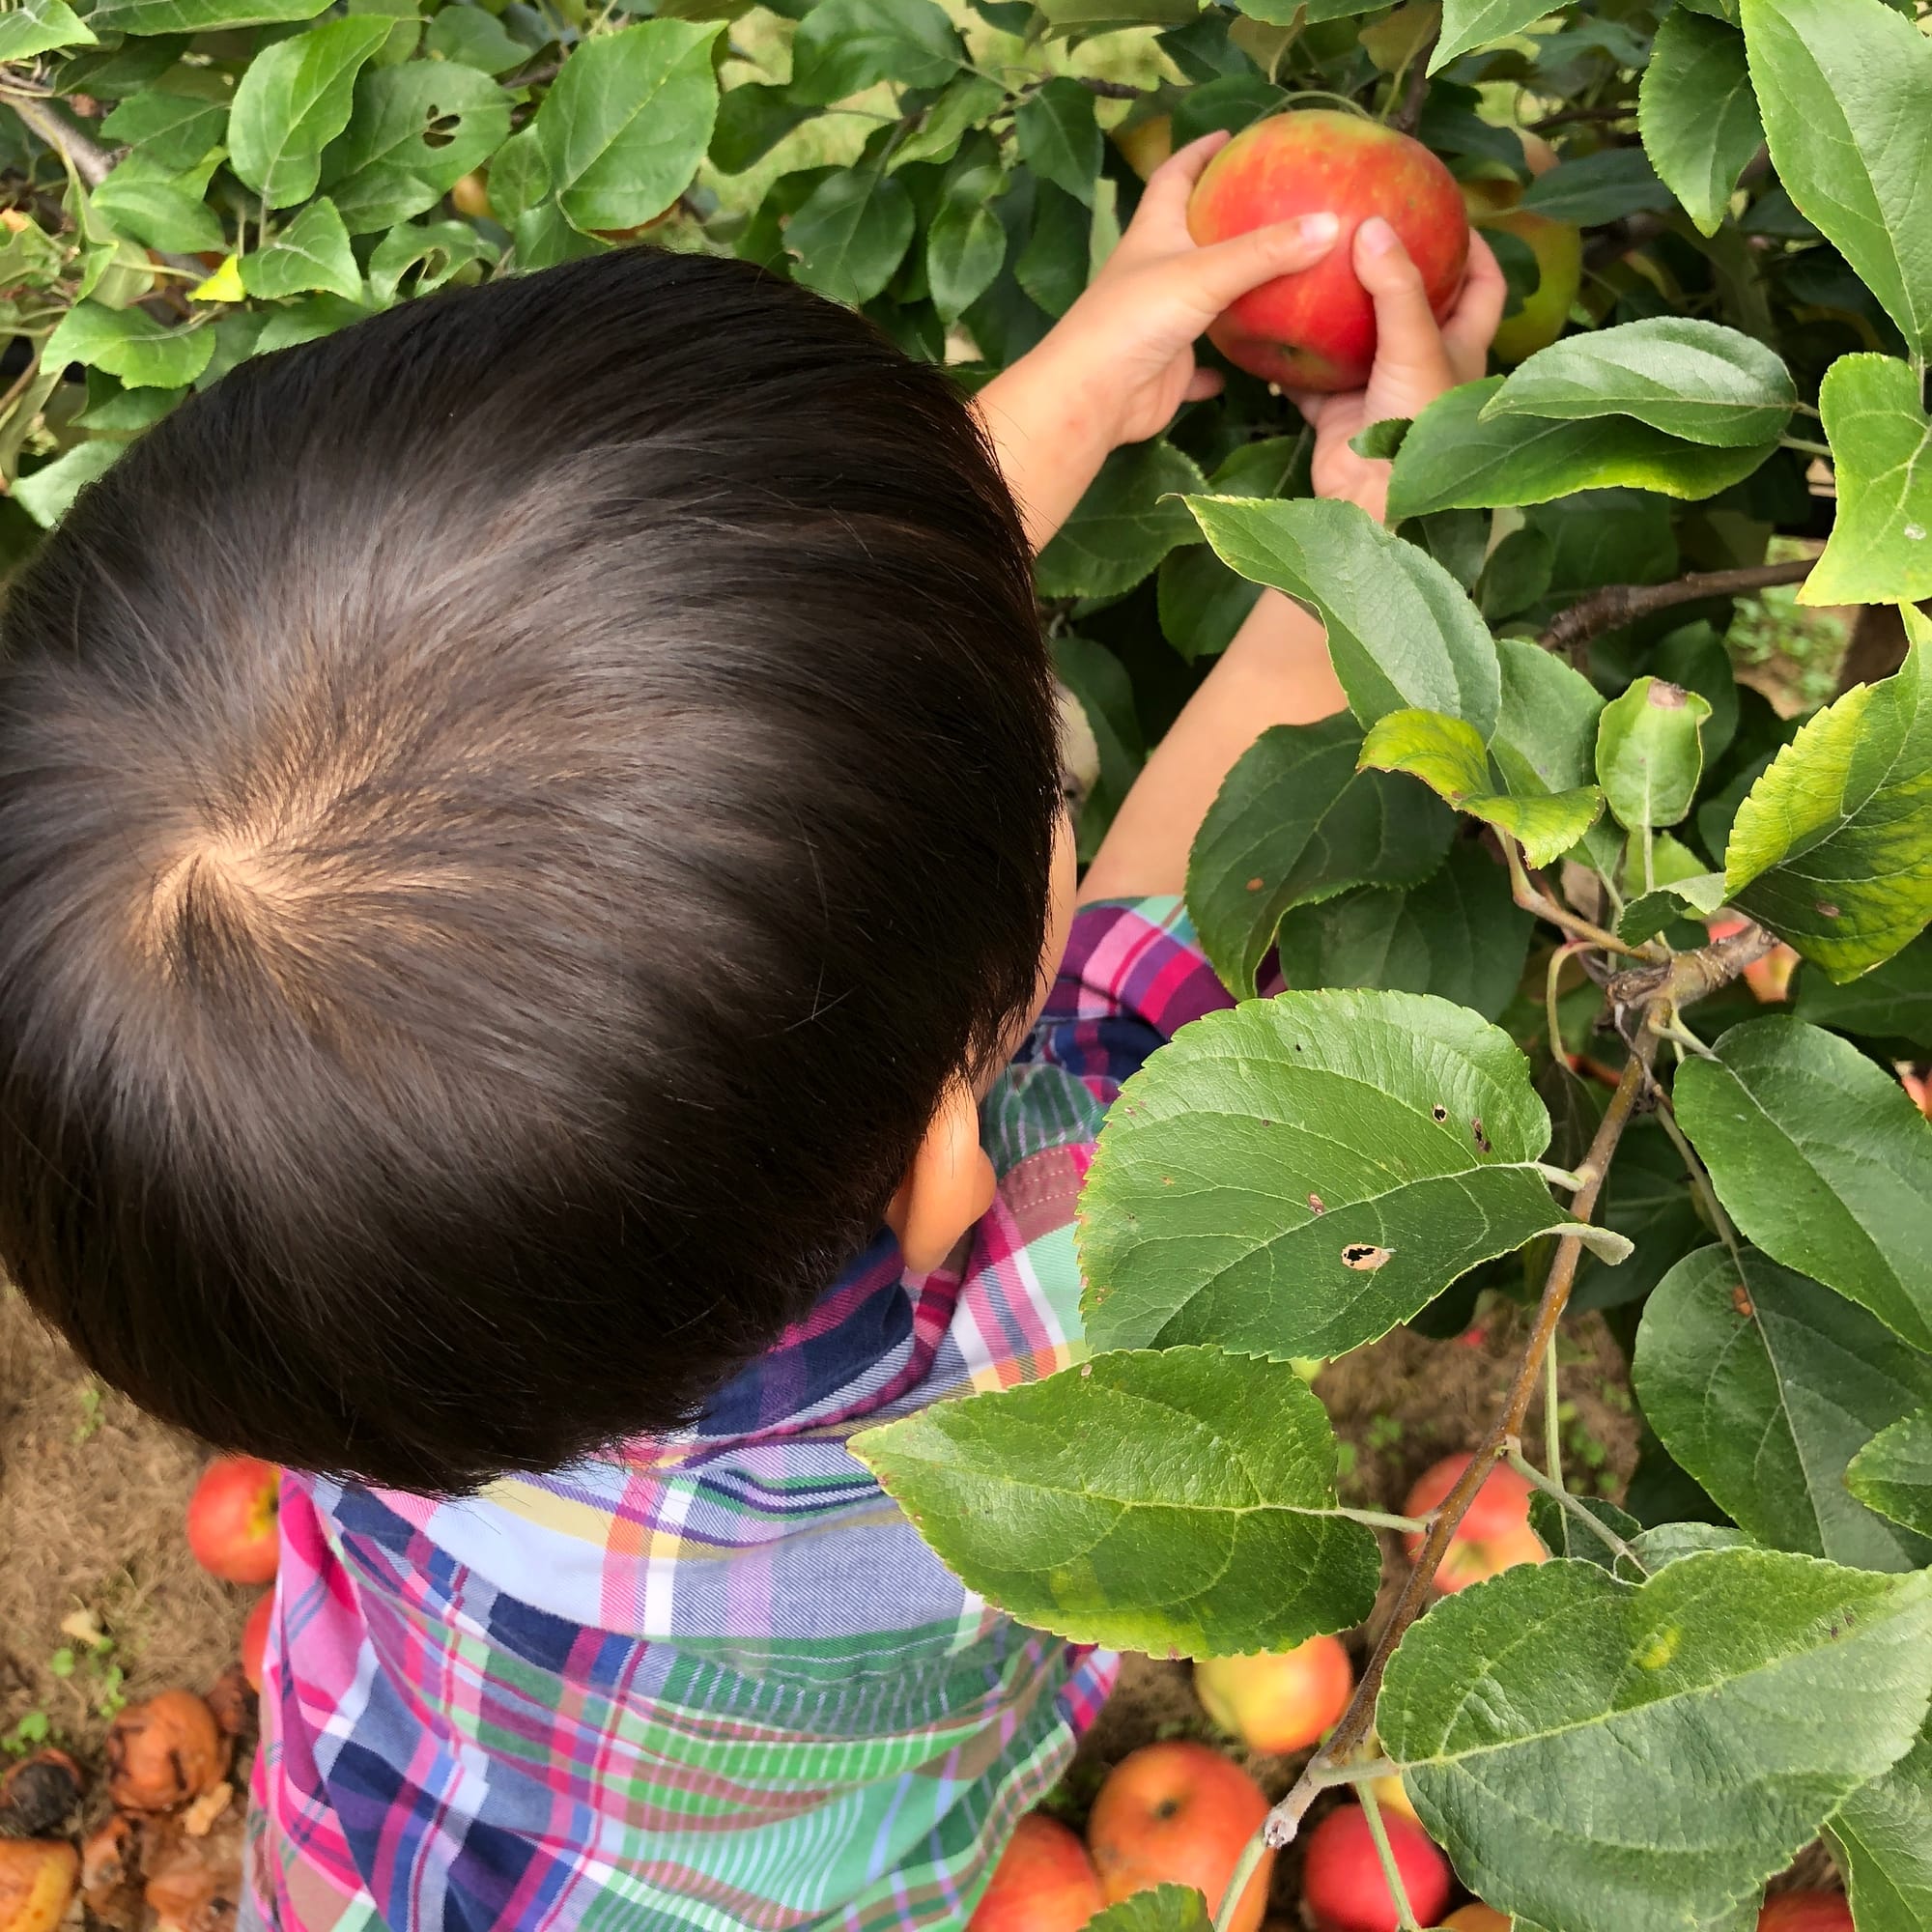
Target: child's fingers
1205,280
1412,365
1479,308
1202,384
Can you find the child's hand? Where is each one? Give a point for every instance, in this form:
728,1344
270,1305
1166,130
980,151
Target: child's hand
1129,341
1416,359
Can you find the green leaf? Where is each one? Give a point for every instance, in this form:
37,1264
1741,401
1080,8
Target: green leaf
1449,758
1650,752
1892,1002
1846,95
1695,380
627,121
415,132
1058,138
1600,188
304,320
1822,1161
1046,1500
966,243
1468,24
1546,727
1295,822
292,101
1052,266
1401,632
1765,1385
1881,544
1128,520
966,101
46,494
1833,845
1562,1534
1458,935
157,213
1452,458
174,130
843,47
851,234
312,252
519,175
1647,915
1202,602
541,237
476,38
1647,1202
195,16
1697,113
1296,1175
129,342
438,248
1883,1833
1893,1472
39,27
1231,102
1161,1908
1609,1757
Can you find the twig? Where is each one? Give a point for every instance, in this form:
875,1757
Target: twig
1530,899
1404,1912
1619,604
1552,1423
1512,1454
81,151
1405,118
1686,978
1566,116
1112,89
1285,1820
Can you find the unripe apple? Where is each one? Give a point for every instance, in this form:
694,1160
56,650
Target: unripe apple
1279,1703
471,196
1145,144
1476,1917
1392,1795
1179,1813
231,1520
1316,329
1043,1883
1342,1884
1805,1912
1558,249
1494,1533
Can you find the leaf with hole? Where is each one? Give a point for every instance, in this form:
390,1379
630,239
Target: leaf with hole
1296,1175
1822,1161
1832,848
1450,759
1044,1500
1454,457
1610,1757
1697,114
1296,822
1695,380
1880,549
1765,1385
1401,632
415,132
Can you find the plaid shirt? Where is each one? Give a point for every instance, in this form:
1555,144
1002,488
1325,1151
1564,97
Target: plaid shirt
716,1680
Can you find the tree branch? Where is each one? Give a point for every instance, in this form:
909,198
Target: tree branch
88,158
1112,89
1619,604
1354,1726
1405,118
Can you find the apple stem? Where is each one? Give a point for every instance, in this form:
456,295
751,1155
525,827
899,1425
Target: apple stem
1404,1912
1252,1853
1363,1771
1552,1423
1384,1519
1561,1177
1512,1454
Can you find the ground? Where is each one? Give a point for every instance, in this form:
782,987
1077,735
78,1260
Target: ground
92,1495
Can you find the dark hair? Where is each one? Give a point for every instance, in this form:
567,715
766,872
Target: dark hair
510,816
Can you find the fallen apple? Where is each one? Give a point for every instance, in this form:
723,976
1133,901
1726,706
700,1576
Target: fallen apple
1805,1912
39,1794
38,1880
231,1520
166,1752
1278,1703
1558,249
1343,1888
1316,329
1179,1814
1494,1533
1043,1883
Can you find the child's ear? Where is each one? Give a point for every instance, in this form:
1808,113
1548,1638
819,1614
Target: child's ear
949,1186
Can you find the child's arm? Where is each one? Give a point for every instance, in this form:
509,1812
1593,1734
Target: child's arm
1276,671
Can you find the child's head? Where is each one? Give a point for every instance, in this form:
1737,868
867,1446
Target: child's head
513,818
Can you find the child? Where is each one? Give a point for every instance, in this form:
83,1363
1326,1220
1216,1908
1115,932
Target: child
530,836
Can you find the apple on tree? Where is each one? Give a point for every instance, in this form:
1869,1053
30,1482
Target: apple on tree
1179,1813
1278,1703
1494,1533
1805,1912
1344,1887
231,1520
1043,1883
1476,1917
1316,329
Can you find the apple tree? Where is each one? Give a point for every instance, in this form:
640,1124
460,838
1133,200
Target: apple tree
1492,932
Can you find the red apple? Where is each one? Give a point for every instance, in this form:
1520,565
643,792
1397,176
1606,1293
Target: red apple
1494,1533
255,1640
1043,1883
1343,1888
1281,1703
1316,329
231,1520
1178,1814
1805,1912
1918,1086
